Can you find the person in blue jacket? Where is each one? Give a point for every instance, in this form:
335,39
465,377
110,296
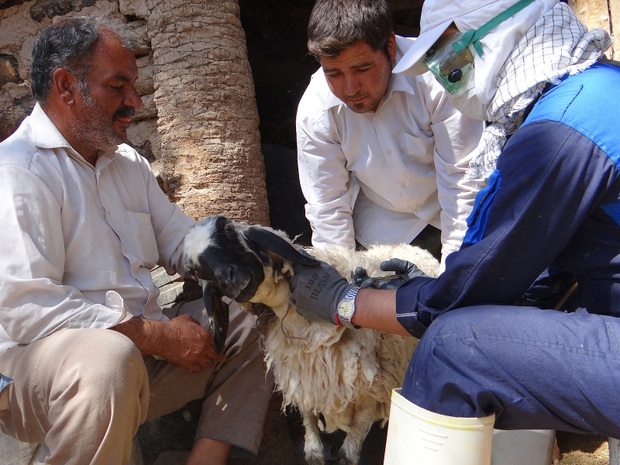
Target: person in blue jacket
493,346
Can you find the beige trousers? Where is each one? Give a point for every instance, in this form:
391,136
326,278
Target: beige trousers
84,392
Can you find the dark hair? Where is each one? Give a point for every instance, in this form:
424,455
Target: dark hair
66,44
336,24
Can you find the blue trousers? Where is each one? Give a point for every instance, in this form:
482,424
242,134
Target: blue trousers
533,368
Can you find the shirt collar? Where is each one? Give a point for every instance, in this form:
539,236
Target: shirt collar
47,136
398,82
402,82
44,132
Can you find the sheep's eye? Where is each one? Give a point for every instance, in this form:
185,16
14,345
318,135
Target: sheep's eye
230,230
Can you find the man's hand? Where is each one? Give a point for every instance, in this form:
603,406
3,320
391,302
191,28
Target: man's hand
403,272
317,291
182,341
189,344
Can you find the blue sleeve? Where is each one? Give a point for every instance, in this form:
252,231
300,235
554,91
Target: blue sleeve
545,194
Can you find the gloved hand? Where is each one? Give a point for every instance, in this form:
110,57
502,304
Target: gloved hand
403,272
317,291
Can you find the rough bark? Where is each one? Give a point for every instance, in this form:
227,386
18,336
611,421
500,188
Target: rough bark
207,115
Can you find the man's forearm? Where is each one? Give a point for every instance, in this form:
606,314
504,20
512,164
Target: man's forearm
147,335
376,308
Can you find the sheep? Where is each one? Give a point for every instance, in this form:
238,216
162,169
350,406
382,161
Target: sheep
341,376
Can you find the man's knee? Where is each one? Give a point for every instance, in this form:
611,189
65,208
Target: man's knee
446,368
102,370
454,323
439,351
105,360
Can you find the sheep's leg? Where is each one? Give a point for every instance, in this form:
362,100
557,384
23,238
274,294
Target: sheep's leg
313,446
349,453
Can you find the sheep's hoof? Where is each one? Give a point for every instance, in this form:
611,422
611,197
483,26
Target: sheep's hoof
314,456
345,461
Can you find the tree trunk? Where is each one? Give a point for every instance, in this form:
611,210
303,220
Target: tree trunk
600,13
207,114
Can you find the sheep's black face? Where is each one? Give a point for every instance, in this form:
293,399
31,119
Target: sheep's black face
216,251
236,272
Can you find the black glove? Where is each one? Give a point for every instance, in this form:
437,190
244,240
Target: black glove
404,271
317,291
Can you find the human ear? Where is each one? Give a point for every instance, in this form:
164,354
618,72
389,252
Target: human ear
64,84
391,48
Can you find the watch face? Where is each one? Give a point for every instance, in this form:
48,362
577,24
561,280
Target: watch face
345,309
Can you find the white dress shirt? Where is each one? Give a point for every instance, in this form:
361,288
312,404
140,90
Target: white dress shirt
383,176
77,242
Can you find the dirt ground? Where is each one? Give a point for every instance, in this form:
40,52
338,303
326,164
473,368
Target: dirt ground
278,447
283,438
577,449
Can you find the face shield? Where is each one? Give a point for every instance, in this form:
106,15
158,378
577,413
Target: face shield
452,69
451,58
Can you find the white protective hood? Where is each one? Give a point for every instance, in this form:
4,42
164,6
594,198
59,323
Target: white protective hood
469,15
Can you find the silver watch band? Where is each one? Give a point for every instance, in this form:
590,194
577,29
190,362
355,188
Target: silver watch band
346,308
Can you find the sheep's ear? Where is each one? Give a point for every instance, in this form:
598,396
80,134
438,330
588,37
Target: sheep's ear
268,240
218,313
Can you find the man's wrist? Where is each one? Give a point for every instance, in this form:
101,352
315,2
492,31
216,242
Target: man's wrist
346,308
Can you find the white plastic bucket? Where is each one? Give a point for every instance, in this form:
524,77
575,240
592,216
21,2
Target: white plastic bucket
417,436
523,446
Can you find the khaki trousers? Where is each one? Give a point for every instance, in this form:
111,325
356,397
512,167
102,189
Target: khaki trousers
84,392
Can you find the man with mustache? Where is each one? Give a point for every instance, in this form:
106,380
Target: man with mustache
381,156
86,353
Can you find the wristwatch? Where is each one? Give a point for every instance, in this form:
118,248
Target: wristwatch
346,309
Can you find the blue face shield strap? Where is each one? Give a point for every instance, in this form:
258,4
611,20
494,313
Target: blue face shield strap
473,37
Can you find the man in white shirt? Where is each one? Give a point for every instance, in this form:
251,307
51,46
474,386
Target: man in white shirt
87,353
381,156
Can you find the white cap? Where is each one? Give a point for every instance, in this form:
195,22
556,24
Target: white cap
437,15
